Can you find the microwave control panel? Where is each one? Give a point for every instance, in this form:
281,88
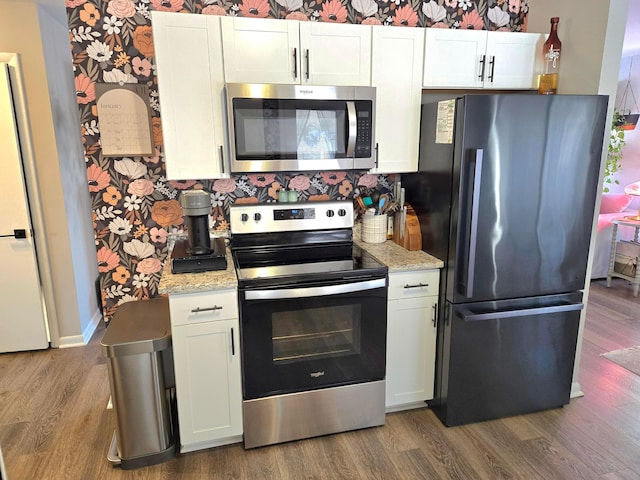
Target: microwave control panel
364,125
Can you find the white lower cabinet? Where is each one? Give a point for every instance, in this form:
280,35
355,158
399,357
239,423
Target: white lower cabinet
206,353
411,338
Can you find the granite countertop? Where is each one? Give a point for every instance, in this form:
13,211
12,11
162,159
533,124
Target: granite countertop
395,257
198,282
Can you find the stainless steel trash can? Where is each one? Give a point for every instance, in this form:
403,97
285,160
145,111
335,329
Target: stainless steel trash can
137,344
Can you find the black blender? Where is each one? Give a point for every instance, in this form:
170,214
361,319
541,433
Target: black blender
197,253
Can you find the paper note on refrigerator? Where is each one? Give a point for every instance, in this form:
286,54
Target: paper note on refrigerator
444,121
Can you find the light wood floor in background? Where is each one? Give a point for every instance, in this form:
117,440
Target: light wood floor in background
53,425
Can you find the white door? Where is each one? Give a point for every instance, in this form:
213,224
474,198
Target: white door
191,86
258,50
335,54
514,55
454,58
22,321
397,75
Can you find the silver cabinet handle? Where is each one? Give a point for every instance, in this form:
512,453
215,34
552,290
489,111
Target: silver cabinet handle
419,285
207,309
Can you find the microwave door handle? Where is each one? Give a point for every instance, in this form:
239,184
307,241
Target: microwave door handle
352,129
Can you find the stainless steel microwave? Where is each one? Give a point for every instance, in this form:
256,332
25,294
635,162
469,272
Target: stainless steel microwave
276,128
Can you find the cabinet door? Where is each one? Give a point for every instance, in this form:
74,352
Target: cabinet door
511,59
396,72
411,351
260,50
335,54
188,54
454,58
208,384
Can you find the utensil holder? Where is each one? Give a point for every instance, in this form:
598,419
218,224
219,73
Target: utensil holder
374,228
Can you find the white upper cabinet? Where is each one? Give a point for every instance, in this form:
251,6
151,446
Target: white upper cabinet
397,75
480,59
188,50
293,52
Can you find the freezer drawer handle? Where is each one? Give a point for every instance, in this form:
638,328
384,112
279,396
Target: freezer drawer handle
469,316
208,309
420,285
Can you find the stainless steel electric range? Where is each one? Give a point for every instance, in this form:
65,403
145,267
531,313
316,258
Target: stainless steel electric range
313,322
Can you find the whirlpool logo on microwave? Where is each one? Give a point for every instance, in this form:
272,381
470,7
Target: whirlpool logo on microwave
307,91
317,374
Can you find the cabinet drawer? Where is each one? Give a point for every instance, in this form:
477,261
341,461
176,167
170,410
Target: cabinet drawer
418,283
203,307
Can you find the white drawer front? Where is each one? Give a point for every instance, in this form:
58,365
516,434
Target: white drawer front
419,283
190,308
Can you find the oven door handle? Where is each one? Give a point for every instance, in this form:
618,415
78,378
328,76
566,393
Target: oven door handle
314,291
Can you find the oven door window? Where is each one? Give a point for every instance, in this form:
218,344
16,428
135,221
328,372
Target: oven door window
291,345
290,129
321,333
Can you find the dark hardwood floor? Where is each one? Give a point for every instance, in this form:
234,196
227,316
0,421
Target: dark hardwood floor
53,425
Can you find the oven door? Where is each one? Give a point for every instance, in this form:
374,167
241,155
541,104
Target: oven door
315,336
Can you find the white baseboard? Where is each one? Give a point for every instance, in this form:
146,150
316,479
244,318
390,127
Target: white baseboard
576,390
81,340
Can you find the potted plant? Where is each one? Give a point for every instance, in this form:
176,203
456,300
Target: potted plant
614,152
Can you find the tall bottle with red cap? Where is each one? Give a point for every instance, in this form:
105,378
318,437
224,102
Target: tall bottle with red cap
548,80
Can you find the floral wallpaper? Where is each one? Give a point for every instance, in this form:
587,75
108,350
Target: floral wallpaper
134,207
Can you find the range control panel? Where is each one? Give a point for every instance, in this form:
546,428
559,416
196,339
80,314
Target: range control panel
288,217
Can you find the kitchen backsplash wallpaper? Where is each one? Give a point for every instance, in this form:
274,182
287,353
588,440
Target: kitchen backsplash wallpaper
134,207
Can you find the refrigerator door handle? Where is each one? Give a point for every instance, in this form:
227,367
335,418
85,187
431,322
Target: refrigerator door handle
469,316
473,224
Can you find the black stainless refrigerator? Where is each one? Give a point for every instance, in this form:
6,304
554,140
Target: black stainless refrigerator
505,195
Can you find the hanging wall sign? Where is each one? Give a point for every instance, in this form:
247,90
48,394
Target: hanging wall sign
124,117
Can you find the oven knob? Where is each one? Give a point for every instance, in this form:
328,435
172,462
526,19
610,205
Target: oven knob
257,217
342,212
330,213
244,217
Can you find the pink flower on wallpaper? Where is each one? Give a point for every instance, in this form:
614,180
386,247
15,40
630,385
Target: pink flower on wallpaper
368,180
167,5
214,10
471,21
141,66
121,8
158,235
140,187
333,11
107,259
262,180
440,25
182,184
300,183
154,159
224,185
254,8
297,16
333,178
97,178
371,21
514,6
405,17
85,89
149,266
74,3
